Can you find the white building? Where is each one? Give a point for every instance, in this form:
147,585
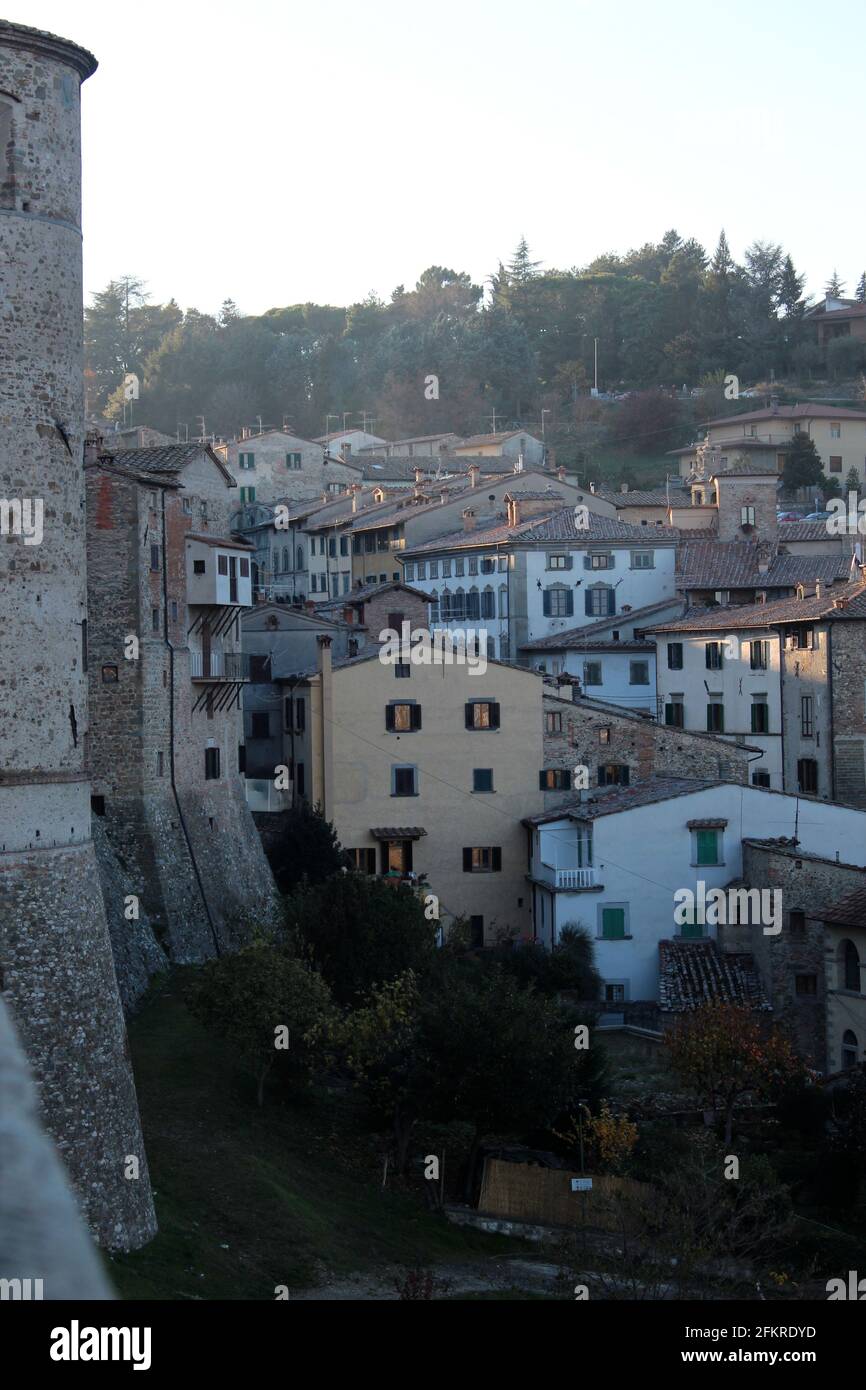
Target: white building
613,862
344,443
542,572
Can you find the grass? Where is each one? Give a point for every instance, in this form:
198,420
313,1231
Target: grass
248,1199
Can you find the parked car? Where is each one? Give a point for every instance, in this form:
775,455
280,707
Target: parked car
788,516
818,516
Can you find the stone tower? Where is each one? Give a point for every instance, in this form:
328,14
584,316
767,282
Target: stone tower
56,966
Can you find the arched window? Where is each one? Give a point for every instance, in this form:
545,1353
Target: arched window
446,607
285,559
503,601
459,609
849,960
473,605
300,557
254,571
276,562
849,1050
434,607
488,603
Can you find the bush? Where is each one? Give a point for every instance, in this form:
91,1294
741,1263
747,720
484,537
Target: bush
307,851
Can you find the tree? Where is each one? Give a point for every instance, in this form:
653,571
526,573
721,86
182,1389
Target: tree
362,932
307,849
860,292
248,997
569,966
722,1053
834,288
802,466
852,480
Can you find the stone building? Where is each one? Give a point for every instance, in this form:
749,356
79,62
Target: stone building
844,923
58,975
166,675
276,465
619,748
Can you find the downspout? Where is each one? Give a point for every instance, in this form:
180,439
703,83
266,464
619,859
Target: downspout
168,643
831,752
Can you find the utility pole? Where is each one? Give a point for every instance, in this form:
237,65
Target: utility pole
543,413
494,419
595,341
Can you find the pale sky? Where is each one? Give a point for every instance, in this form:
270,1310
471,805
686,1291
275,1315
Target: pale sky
277,153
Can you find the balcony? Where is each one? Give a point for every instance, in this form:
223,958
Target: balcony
575,878
218,666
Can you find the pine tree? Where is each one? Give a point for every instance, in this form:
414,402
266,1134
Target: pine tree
520,267
790,293
860,292
722,264
834,288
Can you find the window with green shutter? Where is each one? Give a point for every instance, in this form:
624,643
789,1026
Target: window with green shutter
692,928
707,846
613,923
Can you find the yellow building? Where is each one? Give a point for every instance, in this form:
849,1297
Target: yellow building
839,436
428,769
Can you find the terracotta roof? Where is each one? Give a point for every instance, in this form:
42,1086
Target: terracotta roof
784,610
576,636
166,458
849,911
692,973
610,802
810,410
819,313
734,565
499,438
557,525
635,497
741,442
804,531
207,538
362,593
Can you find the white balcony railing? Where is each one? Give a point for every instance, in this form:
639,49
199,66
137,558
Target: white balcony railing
575,878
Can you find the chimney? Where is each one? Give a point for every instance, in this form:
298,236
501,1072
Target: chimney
819,589
801,592
93,447
468,519
560,473
474,474
623,487
345,452
513,505
323,750
419,474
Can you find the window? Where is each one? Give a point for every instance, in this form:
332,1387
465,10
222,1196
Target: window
222,564
553,722
211,764
246,461
692,926
643,560
154,619
807,776
422,569
242,757
707,850
109,675
488,564
592,673
404,781
402,671
849,1050
174,611
293,461
434,569
598,560
760,715
300,714
458,565
713,656
364,860
604,735
614,993
806,727
599,601
835,429
244,567
473,564
482,779
559,562
797,922
503,564
476,928
402,718
761,778
759,656
248,494
300,779
558,602
395,621
482,714
747,516
850,967
554,779
482,859
675,712
675,656
612,924
612,775
187,505
716,716
799,638
806,984
160,763
835,463
260,725
154,558
638,673
260,664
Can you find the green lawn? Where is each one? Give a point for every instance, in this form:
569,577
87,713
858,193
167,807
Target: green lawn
249,1199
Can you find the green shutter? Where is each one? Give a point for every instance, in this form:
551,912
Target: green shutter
613,923
707,847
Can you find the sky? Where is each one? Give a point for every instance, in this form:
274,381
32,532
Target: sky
277,153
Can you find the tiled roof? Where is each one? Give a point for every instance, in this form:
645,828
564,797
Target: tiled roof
397,832
848,911
576,636
500,438
741,442
810,410
367,591
748,468
612,801
165,458
557,525
549,494
783,610
804,531
734,565
692,973
651,497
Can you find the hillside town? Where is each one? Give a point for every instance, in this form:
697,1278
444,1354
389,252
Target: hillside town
527,800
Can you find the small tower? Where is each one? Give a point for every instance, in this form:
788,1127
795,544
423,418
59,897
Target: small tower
55,955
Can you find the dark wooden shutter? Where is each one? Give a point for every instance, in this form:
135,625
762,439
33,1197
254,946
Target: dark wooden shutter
416,716
470,717
569,603
494,716
587,602
467,861
611,601
497,858
545,603
542,781
389,717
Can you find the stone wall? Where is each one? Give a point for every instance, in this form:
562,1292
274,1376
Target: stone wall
849,711
648,749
